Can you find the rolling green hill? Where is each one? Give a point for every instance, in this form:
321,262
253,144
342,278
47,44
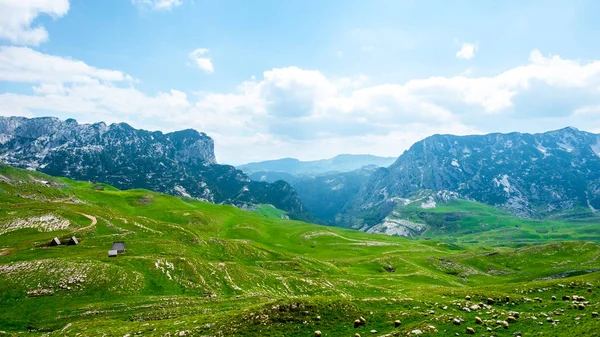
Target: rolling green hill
435,215
196,269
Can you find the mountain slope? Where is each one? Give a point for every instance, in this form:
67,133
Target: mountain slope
192,268
555,173
179,163
340,163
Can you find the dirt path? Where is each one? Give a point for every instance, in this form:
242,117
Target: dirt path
92,218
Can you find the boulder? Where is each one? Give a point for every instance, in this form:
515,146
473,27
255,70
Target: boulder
397,323
318,333
478,320
470,331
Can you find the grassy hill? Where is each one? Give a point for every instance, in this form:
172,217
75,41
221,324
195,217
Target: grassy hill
198,269
470,222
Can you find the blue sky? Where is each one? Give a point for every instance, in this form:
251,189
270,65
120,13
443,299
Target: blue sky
307,79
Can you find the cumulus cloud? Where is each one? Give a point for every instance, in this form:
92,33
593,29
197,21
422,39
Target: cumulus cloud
17,18
200,60
467,51
306,113
157,4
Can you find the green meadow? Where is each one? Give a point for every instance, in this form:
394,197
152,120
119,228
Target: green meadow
192,268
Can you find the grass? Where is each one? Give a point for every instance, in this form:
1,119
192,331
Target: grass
215,270
470,222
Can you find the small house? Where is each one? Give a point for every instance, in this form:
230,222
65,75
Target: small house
55,242
73,241
119,246
112,253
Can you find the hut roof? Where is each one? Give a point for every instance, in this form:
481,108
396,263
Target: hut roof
119,246
55,242
73,241
112,253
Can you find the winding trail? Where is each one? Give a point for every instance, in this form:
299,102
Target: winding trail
92,218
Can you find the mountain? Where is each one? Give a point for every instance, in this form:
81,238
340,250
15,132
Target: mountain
550,174
340,163
178,163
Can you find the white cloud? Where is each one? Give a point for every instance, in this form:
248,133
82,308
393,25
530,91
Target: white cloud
22,64
303,112
157,4
467,51
201,61
18,16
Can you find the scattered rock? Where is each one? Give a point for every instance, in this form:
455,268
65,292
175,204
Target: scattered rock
416,332
456,321
470,331
566,298
554,298
318,318
373,331
549,319
594,314
362,320
357,323
511,319
468,298
507,299
397,323
478,320
318,333
505,324
357,335
581,306
490,301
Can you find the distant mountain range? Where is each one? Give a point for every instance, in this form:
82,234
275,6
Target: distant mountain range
178,163
340,163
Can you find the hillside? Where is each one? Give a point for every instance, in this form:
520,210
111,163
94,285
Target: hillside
179,163
443,215
199,269
339,163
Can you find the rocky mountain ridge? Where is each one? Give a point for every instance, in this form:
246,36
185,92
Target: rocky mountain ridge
555,173
179,163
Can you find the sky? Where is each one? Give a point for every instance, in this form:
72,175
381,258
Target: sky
307,79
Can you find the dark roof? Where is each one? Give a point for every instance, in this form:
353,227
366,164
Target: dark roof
112,253
119,246
55,242
73,241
